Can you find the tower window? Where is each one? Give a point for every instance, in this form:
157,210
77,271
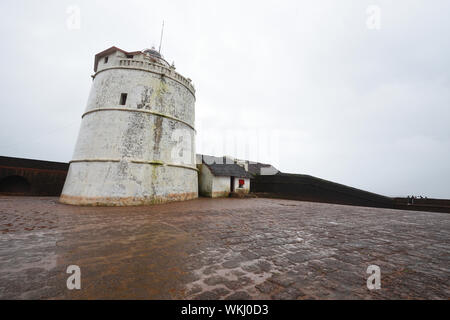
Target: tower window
123,99
106,59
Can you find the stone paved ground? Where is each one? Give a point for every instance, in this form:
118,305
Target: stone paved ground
221,249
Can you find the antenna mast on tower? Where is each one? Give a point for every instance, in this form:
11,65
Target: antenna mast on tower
160,41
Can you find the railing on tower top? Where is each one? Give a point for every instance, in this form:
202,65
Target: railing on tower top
157,68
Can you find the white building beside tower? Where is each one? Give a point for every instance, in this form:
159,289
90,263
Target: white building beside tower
136,143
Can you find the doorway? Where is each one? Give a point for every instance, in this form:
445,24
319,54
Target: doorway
15,185
231,184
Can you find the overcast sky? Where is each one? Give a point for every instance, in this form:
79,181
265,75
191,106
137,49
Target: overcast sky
315,87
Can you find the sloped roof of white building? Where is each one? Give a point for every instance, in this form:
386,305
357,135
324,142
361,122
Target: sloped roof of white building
219,166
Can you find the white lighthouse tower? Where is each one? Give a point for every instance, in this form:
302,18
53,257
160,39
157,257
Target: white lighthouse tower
136,141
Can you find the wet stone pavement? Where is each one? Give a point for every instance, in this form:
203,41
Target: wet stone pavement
221,249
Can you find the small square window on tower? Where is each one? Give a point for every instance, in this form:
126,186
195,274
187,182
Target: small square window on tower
106,59
123,99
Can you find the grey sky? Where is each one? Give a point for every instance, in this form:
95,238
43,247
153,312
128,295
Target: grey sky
368,108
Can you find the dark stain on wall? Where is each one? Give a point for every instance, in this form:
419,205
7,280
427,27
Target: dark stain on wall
27,177
145,98
133,138
158,135
161,95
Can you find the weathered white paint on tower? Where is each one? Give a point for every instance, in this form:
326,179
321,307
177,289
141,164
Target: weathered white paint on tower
136,141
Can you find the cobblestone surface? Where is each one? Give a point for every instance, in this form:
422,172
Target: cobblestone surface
221,249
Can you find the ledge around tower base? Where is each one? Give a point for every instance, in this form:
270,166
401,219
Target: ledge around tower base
125,201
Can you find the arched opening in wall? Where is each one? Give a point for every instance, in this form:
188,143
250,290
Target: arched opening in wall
14,185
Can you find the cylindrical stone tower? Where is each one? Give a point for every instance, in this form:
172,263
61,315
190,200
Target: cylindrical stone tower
136,141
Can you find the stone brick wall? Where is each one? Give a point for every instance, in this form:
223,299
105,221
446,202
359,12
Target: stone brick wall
31,177
308,188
